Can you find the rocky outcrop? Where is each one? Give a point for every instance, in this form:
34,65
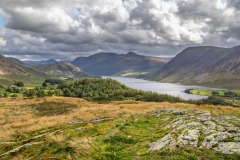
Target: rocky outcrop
199,129
166,141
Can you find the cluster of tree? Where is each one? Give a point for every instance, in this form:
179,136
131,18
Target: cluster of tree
19,84
53,81
188,91
3,92
6,90
40,92
213,100
231,94
109,90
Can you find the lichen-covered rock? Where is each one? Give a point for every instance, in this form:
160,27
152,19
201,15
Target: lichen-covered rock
228,147
165,119
204,117
171,111
189,137
166,141
213,139
210,127
221,133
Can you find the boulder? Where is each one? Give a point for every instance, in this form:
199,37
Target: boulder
166,141
228,147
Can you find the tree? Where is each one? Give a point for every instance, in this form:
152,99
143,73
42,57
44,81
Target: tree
215,93
6,94
19,84
44,84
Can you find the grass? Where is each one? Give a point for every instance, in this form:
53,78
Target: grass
204,92
34,85
51,108
19,115
125,136
229,100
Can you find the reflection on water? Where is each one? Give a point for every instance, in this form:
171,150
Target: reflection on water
163,88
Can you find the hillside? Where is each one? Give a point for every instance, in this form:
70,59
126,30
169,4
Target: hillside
10,72
62,69
129,64
211,66
17,61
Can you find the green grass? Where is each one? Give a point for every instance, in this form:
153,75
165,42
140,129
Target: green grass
204,92
231,101
34,85
122,138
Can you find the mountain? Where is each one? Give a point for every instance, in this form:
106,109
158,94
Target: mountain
129,64
205,65
39,63
17,61
11,71
62,69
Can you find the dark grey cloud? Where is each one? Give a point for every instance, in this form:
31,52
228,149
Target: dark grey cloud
66,29
234,3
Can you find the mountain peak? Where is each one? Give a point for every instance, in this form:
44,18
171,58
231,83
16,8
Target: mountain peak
132,54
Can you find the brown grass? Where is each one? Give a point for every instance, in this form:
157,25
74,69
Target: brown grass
15,118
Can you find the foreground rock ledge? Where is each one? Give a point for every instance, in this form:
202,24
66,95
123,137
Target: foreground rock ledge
199,129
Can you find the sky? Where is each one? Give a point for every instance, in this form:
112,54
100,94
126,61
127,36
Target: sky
66,29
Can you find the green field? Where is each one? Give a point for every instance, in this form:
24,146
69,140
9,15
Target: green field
204,92
220,95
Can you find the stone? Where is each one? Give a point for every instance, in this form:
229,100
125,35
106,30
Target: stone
100,119
15,150
189,137
176,123
111,133
166,141
211,127
228,147
232,129
171,111
204,117
220,128
165,119
237,139
229,117
213,139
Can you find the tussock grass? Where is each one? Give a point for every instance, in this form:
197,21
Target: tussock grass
16,117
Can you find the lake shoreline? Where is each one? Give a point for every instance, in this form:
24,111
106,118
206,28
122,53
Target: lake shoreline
177,90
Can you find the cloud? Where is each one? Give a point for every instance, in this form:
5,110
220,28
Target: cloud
2,42
51,20
155,27
234,3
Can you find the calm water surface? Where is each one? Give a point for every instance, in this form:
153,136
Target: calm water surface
163,88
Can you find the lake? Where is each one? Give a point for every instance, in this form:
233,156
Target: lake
163,88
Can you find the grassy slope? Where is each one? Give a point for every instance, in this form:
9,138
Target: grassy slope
132,130
62,69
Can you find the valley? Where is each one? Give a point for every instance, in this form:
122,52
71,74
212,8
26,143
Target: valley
64,110
119,80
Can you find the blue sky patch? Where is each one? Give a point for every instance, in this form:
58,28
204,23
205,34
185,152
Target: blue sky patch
2,21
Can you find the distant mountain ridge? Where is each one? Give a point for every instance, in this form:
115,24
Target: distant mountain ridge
205,65
108,63
62,69
39,63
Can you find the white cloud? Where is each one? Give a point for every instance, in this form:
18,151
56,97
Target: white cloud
2,42
86,25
